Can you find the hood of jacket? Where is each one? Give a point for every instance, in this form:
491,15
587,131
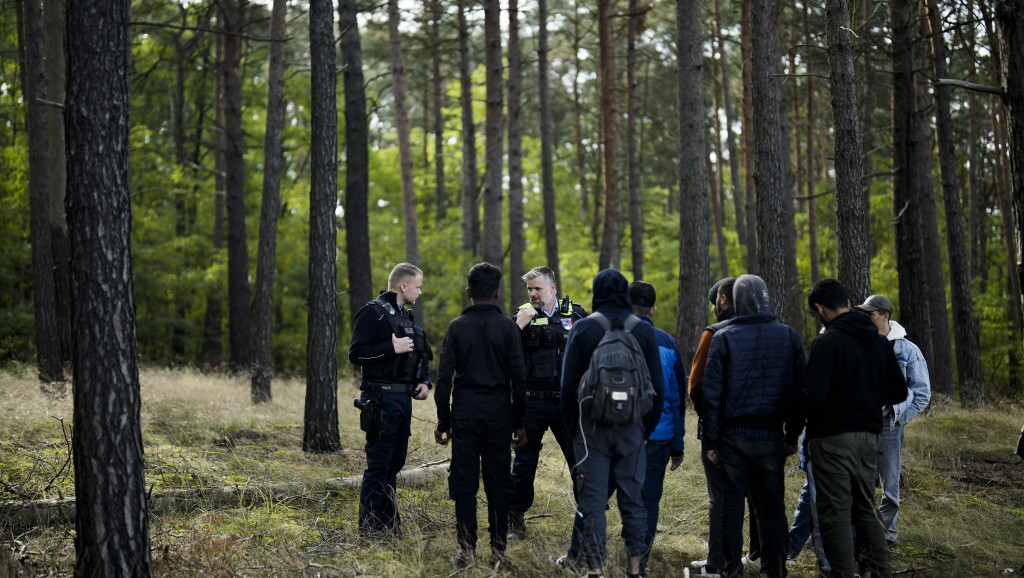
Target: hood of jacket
750,295
896,331
854,324
611,290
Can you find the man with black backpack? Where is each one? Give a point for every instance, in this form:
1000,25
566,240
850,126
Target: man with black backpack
612,395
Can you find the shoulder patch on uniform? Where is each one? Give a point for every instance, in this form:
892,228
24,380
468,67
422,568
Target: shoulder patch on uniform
566,323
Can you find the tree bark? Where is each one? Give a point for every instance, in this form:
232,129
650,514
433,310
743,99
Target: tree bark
412,242
47,335
715,186
939,356
609,112
968,356
909,260
60,248
546,142
213,318
738,196
112,526
239,327
1010,16
263,307
357,161
812,211
750,204
792,293
320,423
853,262
494,155
470,190
767,164
636,217
694,238
516,241
440,192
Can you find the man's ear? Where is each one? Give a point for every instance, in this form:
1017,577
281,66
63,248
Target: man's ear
469,294
654,309
497,293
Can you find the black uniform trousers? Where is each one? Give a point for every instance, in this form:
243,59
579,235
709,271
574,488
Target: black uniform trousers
480,446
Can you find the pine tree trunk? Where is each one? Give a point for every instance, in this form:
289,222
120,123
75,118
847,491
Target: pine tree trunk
968,356
750,202
470,189
1010,16
411,228
320,423
636,217
812,214
60,248
609,112
854,265
47,336
694,236
239,297
738,197
792,293
494,154
546,142
357,165
111,522
516,240
771,244
913,312
263,307
939,357
438,110
717,204
212,348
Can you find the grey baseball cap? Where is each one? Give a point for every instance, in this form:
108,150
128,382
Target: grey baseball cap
875,303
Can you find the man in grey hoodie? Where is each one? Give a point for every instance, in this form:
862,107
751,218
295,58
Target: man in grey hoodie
878,308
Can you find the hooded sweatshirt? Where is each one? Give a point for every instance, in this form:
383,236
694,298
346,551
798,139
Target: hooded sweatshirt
611,298
851,373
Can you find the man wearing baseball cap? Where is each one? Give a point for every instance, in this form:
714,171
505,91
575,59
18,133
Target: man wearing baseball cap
878,308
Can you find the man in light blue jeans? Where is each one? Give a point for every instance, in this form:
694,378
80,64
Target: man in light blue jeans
878,308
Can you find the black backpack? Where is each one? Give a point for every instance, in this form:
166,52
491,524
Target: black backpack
617,381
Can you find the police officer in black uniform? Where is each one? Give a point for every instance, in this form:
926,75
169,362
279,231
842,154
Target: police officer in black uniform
394,355
544,323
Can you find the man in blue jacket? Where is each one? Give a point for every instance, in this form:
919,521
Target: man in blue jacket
605,451
666,443
753,415
878,309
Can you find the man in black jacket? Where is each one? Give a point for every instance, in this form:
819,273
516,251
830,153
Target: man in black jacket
483,352
609,452
394,356
752,410
851,373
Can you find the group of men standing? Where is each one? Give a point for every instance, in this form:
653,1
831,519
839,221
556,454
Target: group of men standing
505,380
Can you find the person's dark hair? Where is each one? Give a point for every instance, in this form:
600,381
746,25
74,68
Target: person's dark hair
726,289
484,280
828,293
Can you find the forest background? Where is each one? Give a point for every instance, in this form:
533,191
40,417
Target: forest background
198,164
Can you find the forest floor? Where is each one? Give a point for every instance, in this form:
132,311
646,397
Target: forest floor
962,512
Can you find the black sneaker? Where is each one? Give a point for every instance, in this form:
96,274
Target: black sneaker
463,560
516,525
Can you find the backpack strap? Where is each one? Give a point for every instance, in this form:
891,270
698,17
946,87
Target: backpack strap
389,313
631,322
602,321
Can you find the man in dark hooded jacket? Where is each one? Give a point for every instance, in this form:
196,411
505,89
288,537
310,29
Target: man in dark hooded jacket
752,410
609,452
851,373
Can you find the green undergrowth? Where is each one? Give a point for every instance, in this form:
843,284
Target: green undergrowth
962,512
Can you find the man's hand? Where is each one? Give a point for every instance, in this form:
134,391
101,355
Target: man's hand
676,462
422,391
442,437
519,438
712,456
524,315
402,344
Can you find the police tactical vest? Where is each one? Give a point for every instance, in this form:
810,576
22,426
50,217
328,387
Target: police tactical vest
544,342
405,367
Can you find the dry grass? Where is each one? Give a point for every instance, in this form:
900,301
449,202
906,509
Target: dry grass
963,511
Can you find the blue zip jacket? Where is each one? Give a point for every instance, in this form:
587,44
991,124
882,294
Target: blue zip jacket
672,426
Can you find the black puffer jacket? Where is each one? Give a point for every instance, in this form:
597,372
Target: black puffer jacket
754,379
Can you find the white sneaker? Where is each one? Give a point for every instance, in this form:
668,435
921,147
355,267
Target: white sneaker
699,563
752,563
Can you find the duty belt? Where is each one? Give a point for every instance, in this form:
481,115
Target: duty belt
383,387
544,395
